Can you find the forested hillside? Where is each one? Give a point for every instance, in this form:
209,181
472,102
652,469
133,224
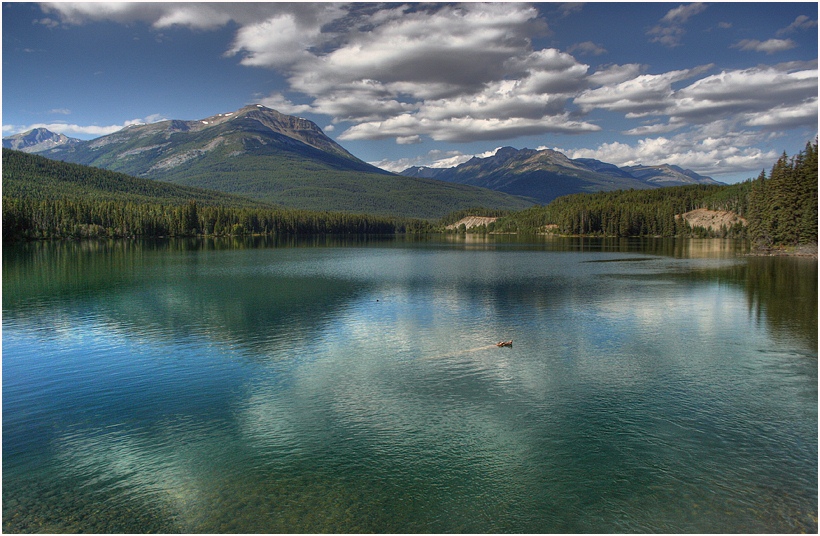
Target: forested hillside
628,212
65,218
43,198
780,209
29,176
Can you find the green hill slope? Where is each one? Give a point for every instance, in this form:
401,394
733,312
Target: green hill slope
33,177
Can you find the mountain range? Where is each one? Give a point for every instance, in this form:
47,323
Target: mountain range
546,174
275,158
270,157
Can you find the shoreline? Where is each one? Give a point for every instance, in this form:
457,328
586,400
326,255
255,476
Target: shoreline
803,250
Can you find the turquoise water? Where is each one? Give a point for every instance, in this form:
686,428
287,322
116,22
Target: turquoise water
354,386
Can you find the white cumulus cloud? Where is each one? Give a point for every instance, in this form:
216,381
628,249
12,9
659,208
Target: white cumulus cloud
770,46
747,92
682,13
743,91
669,31
785,116
710,150
641,94
587,47
465,128
478,72
802,22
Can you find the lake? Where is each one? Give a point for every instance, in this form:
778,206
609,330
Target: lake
354,385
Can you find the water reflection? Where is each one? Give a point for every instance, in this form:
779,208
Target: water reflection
259,386
784,292
688,248
167,291
781,291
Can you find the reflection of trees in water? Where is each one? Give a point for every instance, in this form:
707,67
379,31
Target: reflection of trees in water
785,290
167,292
667,247
781,291
65,268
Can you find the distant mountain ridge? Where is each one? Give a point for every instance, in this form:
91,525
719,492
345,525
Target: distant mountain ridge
668,175
160,149
273,158
38,140
546,174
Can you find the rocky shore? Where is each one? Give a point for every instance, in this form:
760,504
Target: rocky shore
803,250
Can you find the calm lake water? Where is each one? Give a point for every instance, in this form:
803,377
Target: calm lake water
327,385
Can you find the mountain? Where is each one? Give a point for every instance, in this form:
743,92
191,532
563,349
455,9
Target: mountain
423,172
38,140
668,175
546,174
171,149
603,167
275,158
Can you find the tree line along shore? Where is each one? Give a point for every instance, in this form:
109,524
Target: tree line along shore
53,200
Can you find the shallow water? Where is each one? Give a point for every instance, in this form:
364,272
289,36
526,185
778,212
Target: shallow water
354,386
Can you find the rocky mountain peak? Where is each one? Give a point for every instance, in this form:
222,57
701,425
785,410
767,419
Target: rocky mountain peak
505,153
36,140
544,174
270,116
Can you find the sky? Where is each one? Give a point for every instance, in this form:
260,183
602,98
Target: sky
723,89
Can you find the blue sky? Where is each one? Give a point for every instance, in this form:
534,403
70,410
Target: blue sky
722,89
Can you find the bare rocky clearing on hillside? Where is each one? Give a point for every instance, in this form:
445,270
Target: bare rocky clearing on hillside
711,219
472,221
